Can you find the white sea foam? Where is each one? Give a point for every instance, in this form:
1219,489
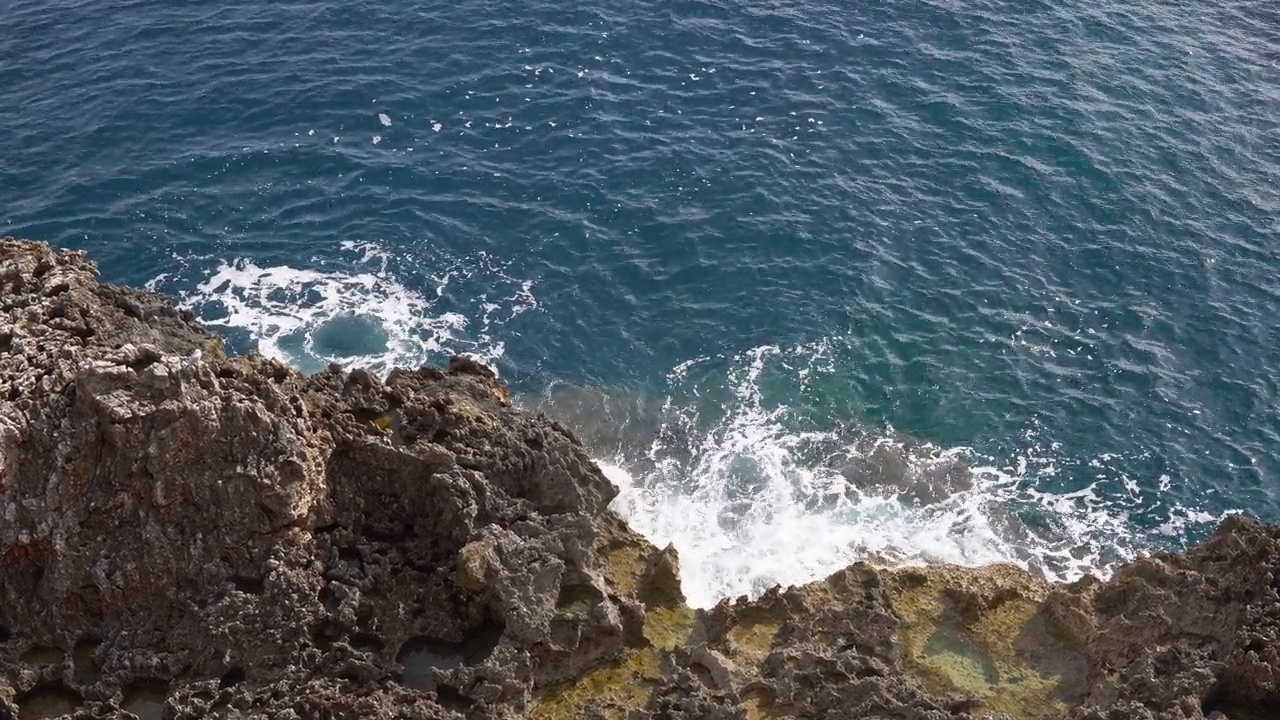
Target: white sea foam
747,508
731,546
361,317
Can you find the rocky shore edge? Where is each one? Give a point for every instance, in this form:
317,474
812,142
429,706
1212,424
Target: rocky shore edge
185,534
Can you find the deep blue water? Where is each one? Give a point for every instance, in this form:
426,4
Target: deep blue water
1043,237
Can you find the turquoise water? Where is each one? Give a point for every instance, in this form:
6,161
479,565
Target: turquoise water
1040,240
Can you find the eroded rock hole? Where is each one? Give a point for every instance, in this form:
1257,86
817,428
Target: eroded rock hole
703,673
451,699
57,289
329,598
146,699
367,642
231,678
481,642
576,594
41,655
144,360
86,668
324,633
41,269
1217,707
47,701
380,530
420,656
249,585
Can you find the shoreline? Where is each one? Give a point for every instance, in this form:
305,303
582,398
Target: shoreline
195,535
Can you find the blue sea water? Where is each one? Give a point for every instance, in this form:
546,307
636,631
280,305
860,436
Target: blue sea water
744,239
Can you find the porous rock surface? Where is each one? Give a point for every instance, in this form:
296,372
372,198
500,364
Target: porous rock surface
188,535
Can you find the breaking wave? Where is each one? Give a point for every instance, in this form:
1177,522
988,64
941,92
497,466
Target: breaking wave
753,490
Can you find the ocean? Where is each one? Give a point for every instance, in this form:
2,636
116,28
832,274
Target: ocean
921,281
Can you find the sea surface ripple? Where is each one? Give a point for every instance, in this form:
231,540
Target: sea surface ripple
1043,237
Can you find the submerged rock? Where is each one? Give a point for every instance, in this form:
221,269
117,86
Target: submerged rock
187,535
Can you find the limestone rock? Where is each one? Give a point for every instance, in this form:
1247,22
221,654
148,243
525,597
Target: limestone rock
252,541
188,535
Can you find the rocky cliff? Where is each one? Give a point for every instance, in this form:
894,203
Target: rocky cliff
184,534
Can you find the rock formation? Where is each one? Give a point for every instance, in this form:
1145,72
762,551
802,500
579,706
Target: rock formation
188,535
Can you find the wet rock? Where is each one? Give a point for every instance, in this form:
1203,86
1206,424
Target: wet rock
917,473
187,535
